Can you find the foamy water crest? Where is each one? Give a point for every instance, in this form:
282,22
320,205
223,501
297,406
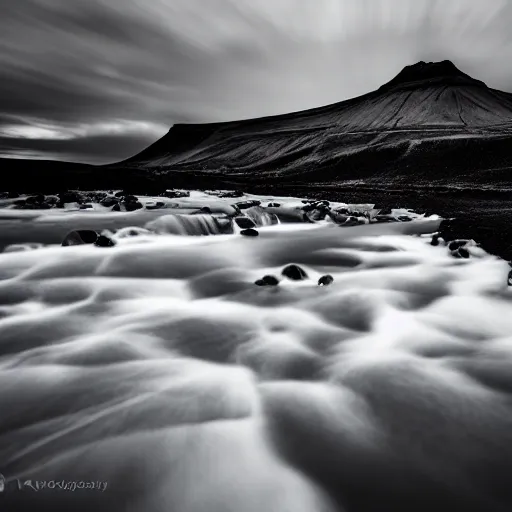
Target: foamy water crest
159,367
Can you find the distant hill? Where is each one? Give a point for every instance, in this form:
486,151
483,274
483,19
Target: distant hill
432,122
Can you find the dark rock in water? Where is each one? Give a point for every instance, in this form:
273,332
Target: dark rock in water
12,195
43,206
464,253
510,278
249,232
130,199
80,237
385,211
317,214
337,218
121,193
273,205
87,206
174,194
267,281
342,211
294,272
453,246
133,205
325,280
435,240
205,210
460,253
231,194
20,203
116,208
306,218
243,205
352,221
109,201
270,280
319,205
104,241
245,222
404,218
308,207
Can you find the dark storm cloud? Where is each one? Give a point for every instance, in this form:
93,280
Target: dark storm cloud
98,80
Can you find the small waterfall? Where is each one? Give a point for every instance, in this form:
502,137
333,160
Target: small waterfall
192,225
261,217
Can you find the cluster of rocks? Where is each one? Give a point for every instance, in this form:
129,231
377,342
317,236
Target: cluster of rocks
126,203
294,273
314,211
457,248
229,194
119,201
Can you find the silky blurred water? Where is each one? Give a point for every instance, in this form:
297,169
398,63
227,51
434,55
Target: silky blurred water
159,366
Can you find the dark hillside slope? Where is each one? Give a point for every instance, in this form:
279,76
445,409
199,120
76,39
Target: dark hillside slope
431,121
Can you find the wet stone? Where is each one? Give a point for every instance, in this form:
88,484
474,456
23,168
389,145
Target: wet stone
249,232
294,272
325,280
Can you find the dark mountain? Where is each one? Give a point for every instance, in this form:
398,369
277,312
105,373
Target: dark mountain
431,123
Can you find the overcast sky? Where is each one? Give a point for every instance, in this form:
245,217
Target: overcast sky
99,80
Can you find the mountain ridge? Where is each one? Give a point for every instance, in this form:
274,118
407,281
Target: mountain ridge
429,114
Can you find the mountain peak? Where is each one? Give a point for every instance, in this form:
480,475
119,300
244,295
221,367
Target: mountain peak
431,73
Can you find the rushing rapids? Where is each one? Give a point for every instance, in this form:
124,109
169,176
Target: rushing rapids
369,371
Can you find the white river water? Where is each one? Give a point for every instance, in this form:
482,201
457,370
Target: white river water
158,367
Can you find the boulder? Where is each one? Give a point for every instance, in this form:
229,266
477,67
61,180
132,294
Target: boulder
243,205
249,232
131,206
294,272
268,281
325,280
245,222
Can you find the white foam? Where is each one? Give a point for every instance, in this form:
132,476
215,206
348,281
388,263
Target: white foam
158,366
